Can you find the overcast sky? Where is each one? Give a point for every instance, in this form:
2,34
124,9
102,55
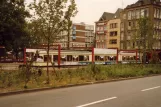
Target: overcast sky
91,10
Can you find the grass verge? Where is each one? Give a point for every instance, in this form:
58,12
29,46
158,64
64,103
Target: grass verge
36,78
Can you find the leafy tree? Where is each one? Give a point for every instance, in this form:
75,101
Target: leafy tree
72,11
143,36
51,18
35,35
13,32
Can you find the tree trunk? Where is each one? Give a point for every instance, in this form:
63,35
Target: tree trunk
48,48
68,34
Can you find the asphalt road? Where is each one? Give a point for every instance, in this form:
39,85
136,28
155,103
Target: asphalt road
144,92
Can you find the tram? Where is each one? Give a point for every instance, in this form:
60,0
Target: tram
73,57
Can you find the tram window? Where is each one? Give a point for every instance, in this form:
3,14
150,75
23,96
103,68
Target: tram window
128,58
134,57
63,58
45,58
69,57
75,58
97,58
114,58
106,58
86,58
55,57
81,58
109,58
101,58
29,56
131,58
123,58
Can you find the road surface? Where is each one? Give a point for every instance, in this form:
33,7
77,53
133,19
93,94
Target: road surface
144,92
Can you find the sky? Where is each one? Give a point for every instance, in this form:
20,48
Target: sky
89,11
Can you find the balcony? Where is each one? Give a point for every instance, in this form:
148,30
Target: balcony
101,32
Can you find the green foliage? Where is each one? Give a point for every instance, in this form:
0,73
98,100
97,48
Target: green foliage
155,58
13,32
32,79
143,36
50,18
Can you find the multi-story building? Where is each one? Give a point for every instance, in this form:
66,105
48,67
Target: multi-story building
129,20
81,37
113,37
101,34
108,30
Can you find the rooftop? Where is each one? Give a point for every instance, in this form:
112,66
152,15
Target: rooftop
109,16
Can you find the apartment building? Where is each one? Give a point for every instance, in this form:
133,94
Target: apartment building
108,30
101,34
129,20
81,38
113,36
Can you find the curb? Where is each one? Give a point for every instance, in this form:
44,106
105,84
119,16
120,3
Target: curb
71,85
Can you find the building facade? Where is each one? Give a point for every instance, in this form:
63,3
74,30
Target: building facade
113,35
81,37
129,20
101,34
108,30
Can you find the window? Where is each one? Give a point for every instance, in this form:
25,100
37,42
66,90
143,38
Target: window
155,13
98,28
46,57
158,13
129,15
114,33
74,32
116,25
101,28
129,23
74,27
113,41
133,14
105,28
142,12
146,12
137,14
113,25
74,37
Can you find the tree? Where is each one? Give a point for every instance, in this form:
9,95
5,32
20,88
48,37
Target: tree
13,32
143,36
72,11
52,17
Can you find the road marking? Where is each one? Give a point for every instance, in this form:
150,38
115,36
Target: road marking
151,88
92,103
